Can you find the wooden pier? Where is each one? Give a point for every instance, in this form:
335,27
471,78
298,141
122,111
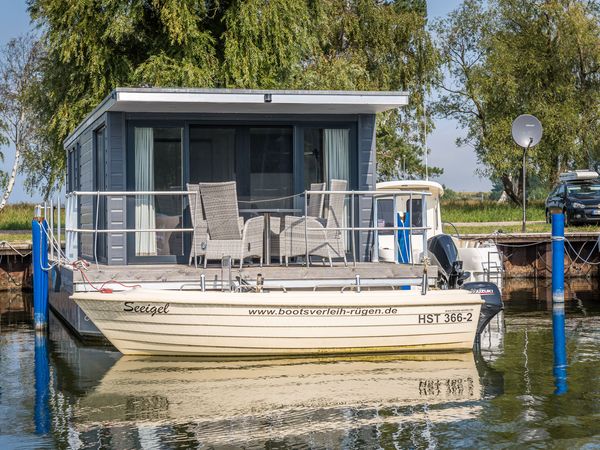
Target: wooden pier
15,266
529,255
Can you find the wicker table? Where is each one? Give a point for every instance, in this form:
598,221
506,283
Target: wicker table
266,213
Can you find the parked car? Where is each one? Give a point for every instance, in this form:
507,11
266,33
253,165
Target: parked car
578,196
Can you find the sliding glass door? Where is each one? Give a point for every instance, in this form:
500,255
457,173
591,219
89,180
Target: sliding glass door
259,159
268,163
157,156
326,155
212,154
271,167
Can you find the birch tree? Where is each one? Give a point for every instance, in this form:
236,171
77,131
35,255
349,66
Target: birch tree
18,125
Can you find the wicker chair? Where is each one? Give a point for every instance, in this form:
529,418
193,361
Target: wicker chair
314,209
200,235
228,235
302,232
316,201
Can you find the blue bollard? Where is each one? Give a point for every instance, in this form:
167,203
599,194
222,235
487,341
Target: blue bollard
42,386
558,305
39,261
559,368
558,257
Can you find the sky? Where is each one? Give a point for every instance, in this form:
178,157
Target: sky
459,163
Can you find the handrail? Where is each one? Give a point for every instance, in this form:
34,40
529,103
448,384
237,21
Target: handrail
376,195
123,193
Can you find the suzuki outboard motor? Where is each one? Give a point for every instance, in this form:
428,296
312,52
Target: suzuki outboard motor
493,301
444,254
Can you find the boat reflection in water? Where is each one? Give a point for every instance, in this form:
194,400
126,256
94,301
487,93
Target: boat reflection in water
250,401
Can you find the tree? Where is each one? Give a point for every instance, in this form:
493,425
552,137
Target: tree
524,56
18,122
93,46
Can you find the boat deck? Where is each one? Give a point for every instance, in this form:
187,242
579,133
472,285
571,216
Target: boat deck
178,276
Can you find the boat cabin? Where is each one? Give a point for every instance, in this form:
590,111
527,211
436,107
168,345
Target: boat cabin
419,210
154,142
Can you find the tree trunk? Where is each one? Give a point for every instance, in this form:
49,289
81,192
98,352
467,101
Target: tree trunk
11,180
509,189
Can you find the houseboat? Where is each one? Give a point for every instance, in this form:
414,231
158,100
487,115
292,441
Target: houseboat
185,204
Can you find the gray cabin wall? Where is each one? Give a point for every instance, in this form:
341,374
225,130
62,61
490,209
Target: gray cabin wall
116,181
86,180
367,180
115,175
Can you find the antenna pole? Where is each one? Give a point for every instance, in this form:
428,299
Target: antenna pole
523,225
425,138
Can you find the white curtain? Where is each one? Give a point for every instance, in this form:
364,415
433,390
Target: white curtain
337,154
336,143
145,243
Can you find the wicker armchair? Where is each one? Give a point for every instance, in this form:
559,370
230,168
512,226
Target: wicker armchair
228,235
316,201
303,235
314,209
200,235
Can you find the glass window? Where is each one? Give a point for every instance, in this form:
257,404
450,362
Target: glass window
385,215
212,154
100,185
314,163
271,166
584,189
157,161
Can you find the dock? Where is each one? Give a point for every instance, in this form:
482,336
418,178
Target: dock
528,255
15,266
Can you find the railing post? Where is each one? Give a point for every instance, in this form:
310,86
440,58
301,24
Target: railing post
353,227
306,225
375,253
424,223
410,230
59,231
51,228
39,244
396,232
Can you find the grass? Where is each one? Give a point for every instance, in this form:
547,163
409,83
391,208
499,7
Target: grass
489,211
16,216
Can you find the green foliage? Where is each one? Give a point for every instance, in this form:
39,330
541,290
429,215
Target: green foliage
93,46
511,57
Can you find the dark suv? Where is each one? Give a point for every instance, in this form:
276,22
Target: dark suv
579,200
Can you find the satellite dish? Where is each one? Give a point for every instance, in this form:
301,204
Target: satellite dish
527,130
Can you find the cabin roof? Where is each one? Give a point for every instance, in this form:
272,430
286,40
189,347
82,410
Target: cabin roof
414,185
242,101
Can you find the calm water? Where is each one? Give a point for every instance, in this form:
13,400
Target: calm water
503,396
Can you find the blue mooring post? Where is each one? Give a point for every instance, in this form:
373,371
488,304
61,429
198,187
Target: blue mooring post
39,244
42,384
558,303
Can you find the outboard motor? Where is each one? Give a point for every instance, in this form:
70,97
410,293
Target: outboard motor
443,252
493,301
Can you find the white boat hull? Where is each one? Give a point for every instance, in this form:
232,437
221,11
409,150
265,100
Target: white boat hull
159,322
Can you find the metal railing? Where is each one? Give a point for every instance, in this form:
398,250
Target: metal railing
72,229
